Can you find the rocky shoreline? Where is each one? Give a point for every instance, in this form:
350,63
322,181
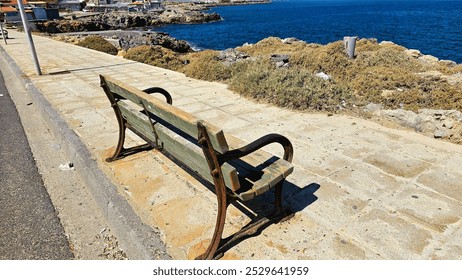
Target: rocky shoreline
128,39
124,20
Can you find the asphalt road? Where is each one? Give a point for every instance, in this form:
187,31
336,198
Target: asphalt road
29,226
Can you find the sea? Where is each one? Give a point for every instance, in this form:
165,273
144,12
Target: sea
431,26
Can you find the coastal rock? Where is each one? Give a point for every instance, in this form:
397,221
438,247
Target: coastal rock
442,114
445,124
123,20
323,76
153,39
448,124
231,56
373,107
292,40
64,26
455,79
386,43
280,60
176,16
413,53
439,133
432,73
447,63
129,39
403,117
428,59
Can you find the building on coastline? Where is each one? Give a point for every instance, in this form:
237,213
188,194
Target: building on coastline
34,10
10,10
70,5
226,2
130,5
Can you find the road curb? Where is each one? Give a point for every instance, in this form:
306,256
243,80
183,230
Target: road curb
139,240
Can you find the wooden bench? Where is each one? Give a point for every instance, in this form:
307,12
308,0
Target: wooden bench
238,172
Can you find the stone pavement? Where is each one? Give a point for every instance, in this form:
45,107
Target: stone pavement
360,190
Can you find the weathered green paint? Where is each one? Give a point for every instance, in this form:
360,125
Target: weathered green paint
272,174
175,116
182,149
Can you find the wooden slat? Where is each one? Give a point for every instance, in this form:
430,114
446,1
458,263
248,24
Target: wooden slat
272,174
184,150
175,116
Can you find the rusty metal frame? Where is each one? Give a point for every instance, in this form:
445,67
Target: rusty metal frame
218,245
121,151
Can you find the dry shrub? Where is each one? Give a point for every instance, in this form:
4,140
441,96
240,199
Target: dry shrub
285,87
156,56
428,92
98,43
332,59
206,66
373,80
377,67
272,45
449,70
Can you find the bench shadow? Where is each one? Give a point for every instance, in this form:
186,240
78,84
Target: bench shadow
261,208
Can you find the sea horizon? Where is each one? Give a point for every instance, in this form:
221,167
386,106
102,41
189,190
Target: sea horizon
433,27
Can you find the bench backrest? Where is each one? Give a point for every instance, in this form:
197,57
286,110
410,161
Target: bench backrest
175,129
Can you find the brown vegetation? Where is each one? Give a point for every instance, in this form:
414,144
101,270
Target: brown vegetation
380,73
156,56
98,43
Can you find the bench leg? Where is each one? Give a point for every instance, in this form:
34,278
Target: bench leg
217,234
280,213
120,143
220,191
254,228
120,151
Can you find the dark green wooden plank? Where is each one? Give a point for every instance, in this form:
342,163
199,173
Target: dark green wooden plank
184,150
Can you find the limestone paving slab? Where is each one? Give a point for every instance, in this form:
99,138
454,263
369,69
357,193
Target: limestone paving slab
443,180
359,190
450,250
390,235
427,208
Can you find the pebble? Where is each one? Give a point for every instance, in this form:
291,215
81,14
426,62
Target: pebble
439,133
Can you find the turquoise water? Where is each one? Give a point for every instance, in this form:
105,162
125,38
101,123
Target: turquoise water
433,27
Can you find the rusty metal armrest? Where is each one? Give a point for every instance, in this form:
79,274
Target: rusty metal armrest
258,144
161,91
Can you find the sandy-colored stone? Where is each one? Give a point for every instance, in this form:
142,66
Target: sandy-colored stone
389,234
398,164
427,208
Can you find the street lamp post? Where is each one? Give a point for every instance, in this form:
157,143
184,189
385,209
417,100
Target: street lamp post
29,37
3,33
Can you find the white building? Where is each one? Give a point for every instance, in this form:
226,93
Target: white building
71,5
